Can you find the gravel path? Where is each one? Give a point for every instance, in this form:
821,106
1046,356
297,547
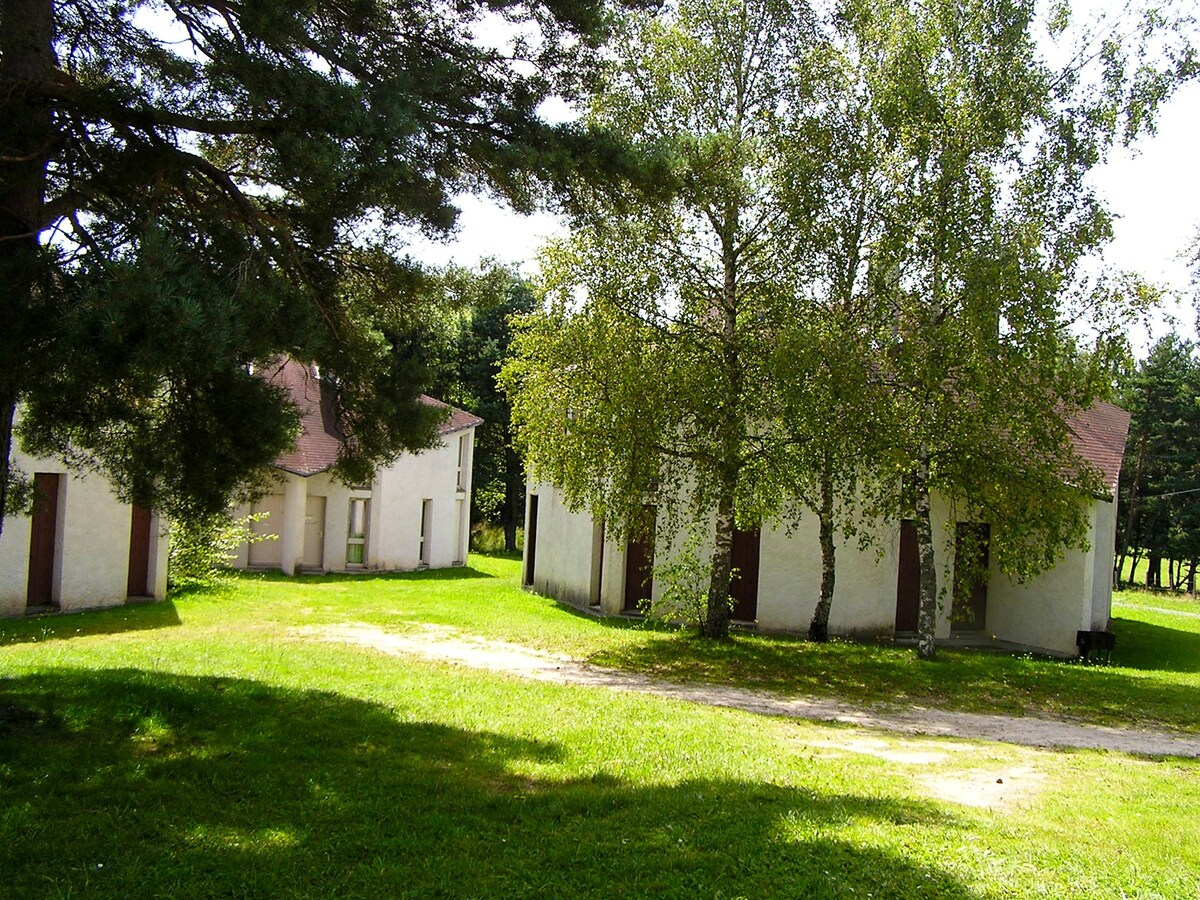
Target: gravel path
450,645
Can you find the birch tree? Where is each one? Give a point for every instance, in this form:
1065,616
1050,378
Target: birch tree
987,219
649,378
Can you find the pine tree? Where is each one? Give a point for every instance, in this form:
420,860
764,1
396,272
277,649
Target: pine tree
189,188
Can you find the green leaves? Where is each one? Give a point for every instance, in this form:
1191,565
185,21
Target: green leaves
189,188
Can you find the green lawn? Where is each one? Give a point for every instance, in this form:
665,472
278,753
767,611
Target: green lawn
209,746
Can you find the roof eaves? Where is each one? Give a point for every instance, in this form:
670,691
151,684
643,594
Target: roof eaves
303,473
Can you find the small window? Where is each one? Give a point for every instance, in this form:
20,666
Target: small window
356,536
464,462
426,531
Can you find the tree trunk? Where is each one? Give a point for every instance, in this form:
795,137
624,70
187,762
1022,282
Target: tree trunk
716,620
927,611
1153,570
26,136
818,629
1134,559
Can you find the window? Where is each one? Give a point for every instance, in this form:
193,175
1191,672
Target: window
464,463
426,531
356,535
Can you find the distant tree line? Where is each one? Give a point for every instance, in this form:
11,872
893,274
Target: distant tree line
1159,504
463,347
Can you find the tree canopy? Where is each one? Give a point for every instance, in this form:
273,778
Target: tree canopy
648,380
465,348
188,188
1160,506
883,224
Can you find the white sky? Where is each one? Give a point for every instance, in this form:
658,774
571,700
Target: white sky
1154,191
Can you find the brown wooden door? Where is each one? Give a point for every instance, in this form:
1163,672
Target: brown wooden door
138,584
743,589
972,553
639,561
531,539
908,580
43,536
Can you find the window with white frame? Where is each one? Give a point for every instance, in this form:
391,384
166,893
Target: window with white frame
356,534
464,462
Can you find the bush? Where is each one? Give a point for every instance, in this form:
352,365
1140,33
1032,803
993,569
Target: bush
202,548
489,538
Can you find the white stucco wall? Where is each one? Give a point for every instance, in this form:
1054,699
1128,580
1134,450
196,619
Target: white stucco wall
577,561
1075,595
91,567
1044,614
864,596
564,549
14,563
396,497
1104,541
399,491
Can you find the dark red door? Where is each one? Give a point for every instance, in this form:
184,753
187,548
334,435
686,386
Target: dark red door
639,561
139,553
971,556
908,582
743,589
42,538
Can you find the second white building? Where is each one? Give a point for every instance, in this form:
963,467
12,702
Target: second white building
415,512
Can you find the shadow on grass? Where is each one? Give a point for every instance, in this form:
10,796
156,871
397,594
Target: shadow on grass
1141,645
85,623
958,679
155,785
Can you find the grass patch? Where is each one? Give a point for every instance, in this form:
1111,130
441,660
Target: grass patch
1154,680
203,748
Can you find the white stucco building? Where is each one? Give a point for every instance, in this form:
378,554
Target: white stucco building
82,548
568,556
415,513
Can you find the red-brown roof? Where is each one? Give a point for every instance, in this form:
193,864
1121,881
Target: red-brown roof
458,418
1099,434
320,434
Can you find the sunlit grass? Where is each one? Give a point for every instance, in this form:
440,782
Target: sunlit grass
208,747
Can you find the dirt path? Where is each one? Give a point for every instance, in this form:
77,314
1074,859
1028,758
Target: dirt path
449,645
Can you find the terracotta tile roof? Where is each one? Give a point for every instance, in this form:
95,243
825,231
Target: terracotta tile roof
321,436
1099,434
458,418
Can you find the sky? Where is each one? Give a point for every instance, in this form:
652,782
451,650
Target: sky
1153,190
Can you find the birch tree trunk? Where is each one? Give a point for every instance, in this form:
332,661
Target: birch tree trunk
716,621
927,610
818,629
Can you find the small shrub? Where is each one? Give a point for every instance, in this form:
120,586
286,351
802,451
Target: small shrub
487,537
684,578
202,548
